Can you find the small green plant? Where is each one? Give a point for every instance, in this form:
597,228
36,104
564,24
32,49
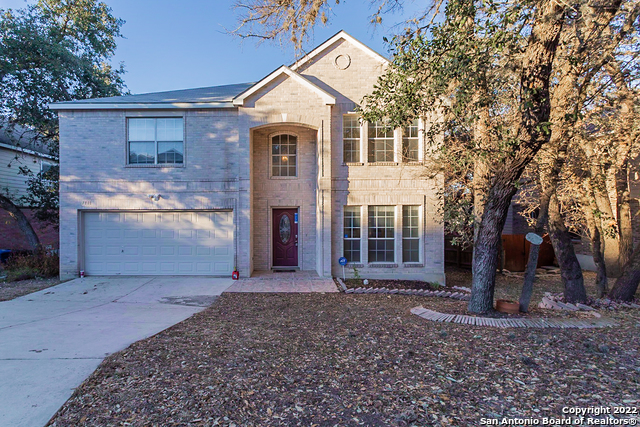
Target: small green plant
356,273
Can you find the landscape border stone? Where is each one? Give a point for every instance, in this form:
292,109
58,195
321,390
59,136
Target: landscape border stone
462,296
540,322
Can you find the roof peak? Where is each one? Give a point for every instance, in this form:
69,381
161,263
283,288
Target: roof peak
340,35
283,69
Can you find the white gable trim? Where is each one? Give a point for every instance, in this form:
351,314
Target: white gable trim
342,35
326,97
138,105
27,151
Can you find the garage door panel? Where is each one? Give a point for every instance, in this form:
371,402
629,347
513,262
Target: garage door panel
111,233
203,250
153,243
221,250
95,250
186,267
203,267
149,250
130,250
221,267
167,250
131,234
131,267
148,234
112,250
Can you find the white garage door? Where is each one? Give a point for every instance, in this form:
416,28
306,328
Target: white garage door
158,243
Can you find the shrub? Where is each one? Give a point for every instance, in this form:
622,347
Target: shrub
25,265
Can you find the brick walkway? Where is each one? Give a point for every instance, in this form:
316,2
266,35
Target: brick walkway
512,323
296,282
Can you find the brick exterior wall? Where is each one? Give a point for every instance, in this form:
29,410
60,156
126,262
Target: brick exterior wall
270,192
227,167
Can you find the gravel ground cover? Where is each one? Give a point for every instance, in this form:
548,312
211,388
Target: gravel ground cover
11,290
350,360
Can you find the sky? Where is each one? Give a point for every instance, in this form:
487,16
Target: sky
173,44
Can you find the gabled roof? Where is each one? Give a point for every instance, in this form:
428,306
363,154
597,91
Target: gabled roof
21,139
326,97
227,96
341,35
204,97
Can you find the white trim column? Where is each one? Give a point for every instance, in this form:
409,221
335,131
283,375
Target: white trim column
397,259
364,135
421,139
397,145
364,220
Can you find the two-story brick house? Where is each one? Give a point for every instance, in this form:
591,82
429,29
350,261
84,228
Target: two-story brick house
278,174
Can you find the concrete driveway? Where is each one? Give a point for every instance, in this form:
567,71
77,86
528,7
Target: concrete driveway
51,340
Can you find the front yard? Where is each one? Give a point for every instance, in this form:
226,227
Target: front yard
11,290
336,359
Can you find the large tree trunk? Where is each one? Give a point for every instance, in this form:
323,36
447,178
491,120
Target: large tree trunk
534,92
595,237
534,252
606,219
487,245
24,224
481,166
570,269
625,136
627,285
625,227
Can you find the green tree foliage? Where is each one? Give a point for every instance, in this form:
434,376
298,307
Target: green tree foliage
53,51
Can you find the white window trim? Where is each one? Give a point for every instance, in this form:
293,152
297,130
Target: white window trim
360,142
364,243
364,142
365,125
420,144
420,235
397,143
421,138
397,253
270,142
42,163
155,164
395,237
361,233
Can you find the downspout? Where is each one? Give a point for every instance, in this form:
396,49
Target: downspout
322,192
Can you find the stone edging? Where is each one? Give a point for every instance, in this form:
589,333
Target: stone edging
463,295
555,302
512,323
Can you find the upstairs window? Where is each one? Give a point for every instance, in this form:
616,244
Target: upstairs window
380,142
410,142
284,149
156,141
351,139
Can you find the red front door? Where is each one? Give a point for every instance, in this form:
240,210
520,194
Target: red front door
285,237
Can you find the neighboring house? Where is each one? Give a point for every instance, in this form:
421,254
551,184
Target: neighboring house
17,150
278,174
